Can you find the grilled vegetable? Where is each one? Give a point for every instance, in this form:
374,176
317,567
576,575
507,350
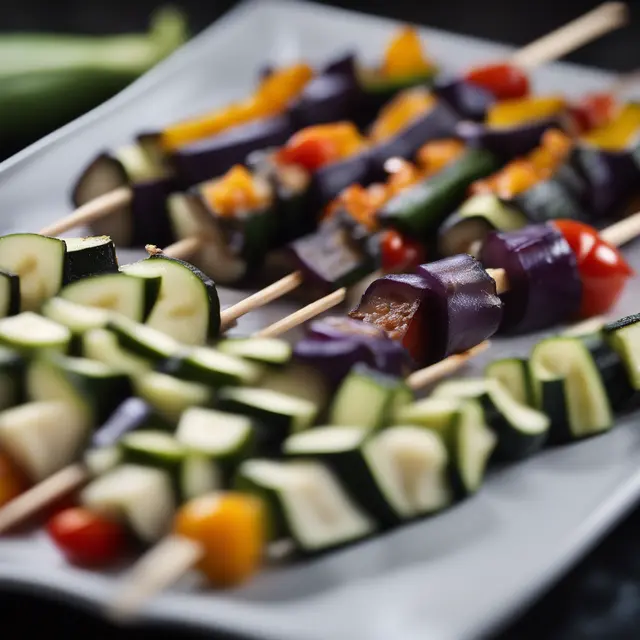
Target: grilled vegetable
104,346
515,376
188,308
569,389
89,256
469,100
623,336
305,502
78,318
269,351
29,333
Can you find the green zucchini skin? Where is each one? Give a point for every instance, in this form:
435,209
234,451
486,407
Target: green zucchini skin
91,260
515,375
12,378
614,335
420,209
12,288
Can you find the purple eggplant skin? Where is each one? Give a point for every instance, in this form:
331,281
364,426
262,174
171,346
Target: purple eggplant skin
439,122
612,178
209,158
132,414
468,100
149,213
464,307
508,142
338,327
544,283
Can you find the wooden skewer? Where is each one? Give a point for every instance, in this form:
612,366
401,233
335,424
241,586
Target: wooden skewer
592,25
605,18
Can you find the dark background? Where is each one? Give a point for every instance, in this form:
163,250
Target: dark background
600,598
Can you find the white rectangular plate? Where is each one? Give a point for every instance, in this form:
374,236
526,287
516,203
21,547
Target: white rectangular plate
455,576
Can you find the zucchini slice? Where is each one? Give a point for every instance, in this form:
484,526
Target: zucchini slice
76,317
103,346
216,435
468,439
398,473
170,396
212,367
89,383
143,341
30,333
11,378
43,437
142,497
300,381
270,351
368,398
90,256
515,377
521,430
279,414
9,294
39,262
569,389
101,461
119,293
188,308
305,502
624,337
199,475
151,448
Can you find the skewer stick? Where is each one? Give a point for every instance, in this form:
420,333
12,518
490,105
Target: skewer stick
592,25
176,555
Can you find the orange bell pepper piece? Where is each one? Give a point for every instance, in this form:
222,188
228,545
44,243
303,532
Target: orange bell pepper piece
404,56
234,192
400,112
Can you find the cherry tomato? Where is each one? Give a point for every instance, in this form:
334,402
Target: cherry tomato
400,253
603,270
504,81
310,154
232,529
593,111
12,482
86,538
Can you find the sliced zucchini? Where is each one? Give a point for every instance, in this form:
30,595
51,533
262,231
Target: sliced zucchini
39,262
103,346
30,333
368,398
170,396
89,256
11,378
279,414
569,389
43,437
272,351
624,337
142,497
468,439
199,475
300,381
188,308
101,461
216,435
396,474
305,502
89,383
212,367
128,296
151,448
9,294
144,341
515,376
131,415
76,317
521,430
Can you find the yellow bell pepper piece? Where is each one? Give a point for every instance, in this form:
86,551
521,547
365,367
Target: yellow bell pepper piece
400,112
509,113
405,57
619,133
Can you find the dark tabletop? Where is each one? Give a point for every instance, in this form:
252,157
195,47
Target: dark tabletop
600,598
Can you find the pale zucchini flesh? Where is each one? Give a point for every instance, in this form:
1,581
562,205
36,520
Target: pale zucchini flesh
29,333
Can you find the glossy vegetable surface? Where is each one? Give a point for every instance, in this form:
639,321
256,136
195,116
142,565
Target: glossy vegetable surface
504,81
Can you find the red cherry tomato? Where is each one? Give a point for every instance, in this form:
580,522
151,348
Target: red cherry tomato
593,111
603,270
310,154
504,81
400,253
86,538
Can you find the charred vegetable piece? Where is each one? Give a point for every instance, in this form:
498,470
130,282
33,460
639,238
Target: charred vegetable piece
603,270
418,210
464,309
399,304
544,282
339,254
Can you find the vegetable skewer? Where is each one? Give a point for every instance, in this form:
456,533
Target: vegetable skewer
607,17
72,477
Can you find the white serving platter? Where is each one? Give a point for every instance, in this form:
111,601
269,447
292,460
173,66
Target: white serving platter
453,577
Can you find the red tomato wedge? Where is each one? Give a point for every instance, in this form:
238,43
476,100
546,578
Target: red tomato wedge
400,254
86,538
504,81
603,270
